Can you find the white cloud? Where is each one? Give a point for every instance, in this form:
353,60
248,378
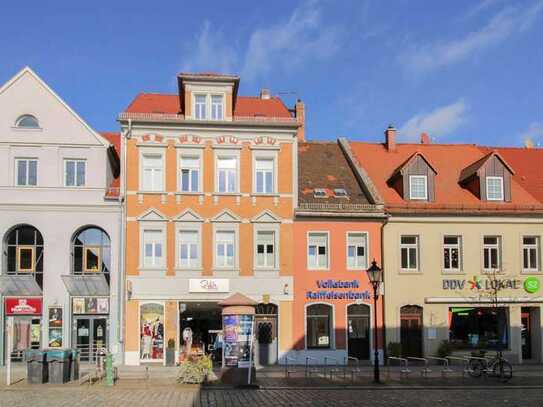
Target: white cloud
439,122
285,46
210,53
509,21
300,39
533,133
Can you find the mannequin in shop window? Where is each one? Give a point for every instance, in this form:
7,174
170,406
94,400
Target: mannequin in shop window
147,337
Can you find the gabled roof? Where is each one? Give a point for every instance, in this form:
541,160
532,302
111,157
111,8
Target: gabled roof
472,169
449,160
409,161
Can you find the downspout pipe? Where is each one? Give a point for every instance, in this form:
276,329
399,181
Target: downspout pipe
122,272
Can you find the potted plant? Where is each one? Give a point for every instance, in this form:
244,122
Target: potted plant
170,353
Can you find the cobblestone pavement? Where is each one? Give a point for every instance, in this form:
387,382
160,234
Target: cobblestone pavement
166,396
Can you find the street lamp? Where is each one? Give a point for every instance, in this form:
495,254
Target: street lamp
375,275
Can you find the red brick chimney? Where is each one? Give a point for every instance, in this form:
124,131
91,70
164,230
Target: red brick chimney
299,109
424,138
390,138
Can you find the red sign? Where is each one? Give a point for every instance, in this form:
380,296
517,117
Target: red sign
23,306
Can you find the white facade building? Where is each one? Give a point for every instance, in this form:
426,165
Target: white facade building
60,224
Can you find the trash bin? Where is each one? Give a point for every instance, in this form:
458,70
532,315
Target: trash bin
36,366
58,361
74,364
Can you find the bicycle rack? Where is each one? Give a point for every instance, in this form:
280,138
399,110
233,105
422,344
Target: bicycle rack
485,364
354,371
465,361
445,367
425,370
334,368
290,368
311,368
403,372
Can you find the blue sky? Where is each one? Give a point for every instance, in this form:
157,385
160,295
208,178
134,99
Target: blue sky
464,71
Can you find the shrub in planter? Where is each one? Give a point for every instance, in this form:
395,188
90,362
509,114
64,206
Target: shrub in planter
444,349
394,349
196,370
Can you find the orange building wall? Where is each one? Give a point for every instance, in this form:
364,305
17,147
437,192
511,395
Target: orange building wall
305,279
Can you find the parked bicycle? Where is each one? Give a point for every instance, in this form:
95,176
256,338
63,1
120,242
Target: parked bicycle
497,366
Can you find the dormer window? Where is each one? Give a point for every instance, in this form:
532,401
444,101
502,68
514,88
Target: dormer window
217,107
27,121
340,193
208,107
200,107
319,193
418,187
494,188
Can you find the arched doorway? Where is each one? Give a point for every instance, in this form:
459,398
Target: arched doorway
411,330
266,334
358,331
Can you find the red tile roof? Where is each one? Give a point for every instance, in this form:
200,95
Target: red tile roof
115,140
448,160
246,106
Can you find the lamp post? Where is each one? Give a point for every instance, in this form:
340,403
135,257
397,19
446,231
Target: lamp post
375,275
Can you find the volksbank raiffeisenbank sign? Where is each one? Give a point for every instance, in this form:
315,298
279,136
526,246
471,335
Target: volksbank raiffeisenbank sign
337,290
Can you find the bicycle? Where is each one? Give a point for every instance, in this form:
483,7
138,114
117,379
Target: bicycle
497,366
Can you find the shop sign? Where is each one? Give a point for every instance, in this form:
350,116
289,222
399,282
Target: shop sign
23,306
337,290
531,284
90,305
209,285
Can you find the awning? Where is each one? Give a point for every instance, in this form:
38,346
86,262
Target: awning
16,285
86,285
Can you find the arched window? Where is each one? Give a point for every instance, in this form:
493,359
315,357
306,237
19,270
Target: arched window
91,252
27,121
319,326
24,252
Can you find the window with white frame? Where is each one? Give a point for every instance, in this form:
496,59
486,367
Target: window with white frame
75,173
418,187
217,107
227,176
153,172
200,107
452,253
317,250
225,248
530,253
409,253
153,243
357,251
264,175
491,253
265,249
189,174
494,188
189,242
26,171
319,329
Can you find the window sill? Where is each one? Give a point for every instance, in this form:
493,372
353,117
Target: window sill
452,272
152,269
318,269
226,194
499,271
271,195
152,192
403,271
530,271
189,193
358,269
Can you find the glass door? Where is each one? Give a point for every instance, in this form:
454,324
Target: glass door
83,337
99,333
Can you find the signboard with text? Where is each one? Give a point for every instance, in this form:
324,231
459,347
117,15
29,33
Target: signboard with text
338,290
209,285
23,306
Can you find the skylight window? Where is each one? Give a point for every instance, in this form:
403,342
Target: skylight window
340,193
319,193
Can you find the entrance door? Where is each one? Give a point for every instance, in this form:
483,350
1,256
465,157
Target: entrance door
90,336
266,334
26,335
411,330
358,331
526,334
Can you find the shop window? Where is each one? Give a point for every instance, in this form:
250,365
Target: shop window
317,251
491,253
91,252
23,252
319,326
265,249
479,327
225,243
530,253
151,331
357,251
190,174
452,253
409,251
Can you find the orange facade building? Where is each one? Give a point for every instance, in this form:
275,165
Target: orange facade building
211,188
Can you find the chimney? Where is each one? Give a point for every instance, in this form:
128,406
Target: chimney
264,93
299,110
390,138
528,142
424,138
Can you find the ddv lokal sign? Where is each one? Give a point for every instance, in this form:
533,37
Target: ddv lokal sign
477,283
